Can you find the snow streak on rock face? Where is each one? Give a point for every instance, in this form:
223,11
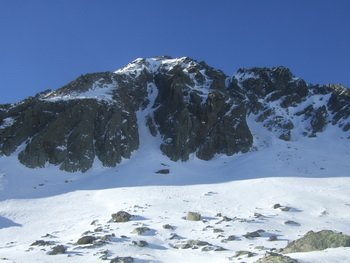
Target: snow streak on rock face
197,110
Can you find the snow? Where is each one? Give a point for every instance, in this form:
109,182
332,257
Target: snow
99,91
242,76
153,65
7,122
309,175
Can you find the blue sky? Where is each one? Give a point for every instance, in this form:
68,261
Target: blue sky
44,44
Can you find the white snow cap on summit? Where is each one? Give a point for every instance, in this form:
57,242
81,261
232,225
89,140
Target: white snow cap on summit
152,65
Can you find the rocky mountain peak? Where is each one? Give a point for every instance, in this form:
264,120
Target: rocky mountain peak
192,107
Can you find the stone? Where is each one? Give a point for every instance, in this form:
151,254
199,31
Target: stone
175,236
231,238
183,246
198,243
285,208
244,253
108,237
282,208
140,243
86,240
121,216
42,243
167,226
286,136
254,234
292,223
98,229
272,238
276,206
193,216
213,248
122,260
163,171
140,230
59,249
316,241
271,257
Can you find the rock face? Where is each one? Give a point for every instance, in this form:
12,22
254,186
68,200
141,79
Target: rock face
70,129
194,108
195,113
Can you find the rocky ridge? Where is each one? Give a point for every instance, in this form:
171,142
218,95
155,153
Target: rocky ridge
192,107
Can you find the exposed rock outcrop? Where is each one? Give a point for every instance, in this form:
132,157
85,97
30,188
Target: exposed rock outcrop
314,241
194,108
271,257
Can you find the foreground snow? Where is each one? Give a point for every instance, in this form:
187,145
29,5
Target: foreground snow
309,175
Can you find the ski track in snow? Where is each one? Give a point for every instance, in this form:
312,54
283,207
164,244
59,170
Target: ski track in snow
309,175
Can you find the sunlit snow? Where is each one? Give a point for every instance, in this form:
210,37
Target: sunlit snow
309,175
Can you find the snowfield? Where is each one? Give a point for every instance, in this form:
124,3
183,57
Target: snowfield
234,195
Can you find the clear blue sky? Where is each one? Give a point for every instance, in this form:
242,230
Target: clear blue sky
44,44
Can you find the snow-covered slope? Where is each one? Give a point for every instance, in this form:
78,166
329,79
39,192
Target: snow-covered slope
196,110
130,126
234,195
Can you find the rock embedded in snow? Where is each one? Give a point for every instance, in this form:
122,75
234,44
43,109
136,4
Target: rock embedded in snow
193,216
229,238
245,253
285,208
254,234
140,243
182,246
291,223
271,257
224,219
140,230
315,241
213,248
121,216
42,243
275,206
282,208
198,243
273,238
174,236
86,240
167,226
59,249
163,171
194,244
122,260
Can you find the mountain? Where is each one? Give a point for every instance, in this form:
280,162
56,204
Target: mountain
260,159
192,107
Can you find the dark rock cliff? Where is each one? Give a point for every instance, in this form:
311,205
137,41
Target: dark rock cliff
197,109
